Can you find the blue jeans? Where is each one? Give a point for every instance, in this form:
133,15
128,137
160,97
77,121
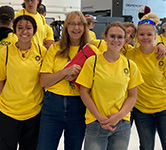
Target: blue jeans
147,124
61,113
97,138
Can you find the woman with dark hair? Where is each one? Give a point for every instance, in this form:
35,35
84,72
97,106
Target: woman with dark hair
63,109
30,8
21,95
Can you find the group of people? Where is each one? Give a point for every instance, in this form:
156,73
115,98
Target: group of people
38,100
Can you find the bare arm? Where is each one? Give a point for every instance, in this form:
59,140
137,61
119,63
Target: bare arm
48,79
48,43
2,83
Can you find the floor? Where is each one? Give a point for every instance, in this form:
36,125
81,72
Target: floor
133,144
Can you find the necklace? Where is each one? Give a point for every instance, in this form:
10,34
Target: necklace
23,54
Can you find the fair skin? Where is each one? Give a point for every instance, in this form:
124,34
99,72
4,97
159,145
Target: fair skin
146,36
115,41
130,34
75,31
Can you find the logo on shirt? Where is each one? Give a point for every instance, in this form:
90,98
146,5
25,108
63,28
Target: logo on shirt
161,63
126,71
37,58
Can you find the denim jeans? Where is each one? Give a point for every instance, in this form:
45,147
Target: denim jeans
61,113
147,124
97,138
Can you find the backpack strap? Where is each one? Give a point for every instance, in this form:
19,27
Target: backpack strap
39,50
99,43
128,64
94,65
7,54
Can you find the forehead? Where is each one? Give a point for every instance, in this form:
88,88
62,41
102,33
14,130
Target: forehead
116,30
75,18
24,22
146,28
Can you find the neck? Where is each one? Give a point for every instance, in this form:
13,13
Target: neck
111,56
32,11
75,43
23,46
147,49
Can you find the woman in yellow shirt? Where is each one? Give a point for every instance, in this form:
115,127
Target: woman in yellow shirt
109,93
150,109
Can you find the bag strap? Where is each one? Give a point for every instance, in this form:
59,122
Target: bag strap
7,54
39,50
84,52
99,43
128,64
94,65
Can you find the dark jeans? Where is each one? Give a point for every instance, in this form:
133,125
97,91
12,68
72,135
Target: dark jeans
62,113
147,124
14,132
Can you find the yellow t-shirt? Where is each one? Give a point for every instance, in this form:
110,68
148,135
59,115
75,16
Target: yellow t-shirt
49,33
151,95
161,38
22,95
12,38
40,35
92,35
110,84
52,64
125,48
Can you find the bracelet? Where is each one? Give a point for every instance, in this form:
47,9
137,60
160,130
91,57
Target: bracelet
160,43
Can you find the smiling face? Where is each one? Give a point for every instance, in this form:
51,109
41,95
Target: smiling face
24,31
130,34
75,29
146,35
115,38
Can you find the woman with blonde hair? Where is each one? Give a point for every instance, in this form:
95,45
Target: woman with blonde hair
150,108
63,109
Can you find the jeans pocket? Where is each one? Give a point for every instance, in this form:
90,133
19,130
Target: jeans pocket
93,129
125,127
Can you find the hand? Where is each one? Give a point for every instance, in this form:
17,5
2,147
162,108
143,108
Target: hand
111,122
71,77
104,122
72,71
160,49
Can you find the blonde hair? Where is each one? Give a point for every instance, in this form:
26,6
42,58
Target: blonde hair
150,16
65,39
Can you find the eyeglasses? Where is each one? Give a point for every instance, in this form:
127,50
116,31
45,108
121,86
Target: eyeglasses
30,0
80,25
146,21
113,37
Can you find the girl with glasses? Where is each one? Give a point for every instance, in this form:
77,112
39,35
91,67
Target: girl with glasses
109,93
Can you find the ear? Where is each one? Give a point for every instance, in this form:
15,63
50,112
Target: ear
105,38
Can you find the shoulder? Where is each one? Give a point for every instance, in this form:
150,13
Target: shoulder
19,13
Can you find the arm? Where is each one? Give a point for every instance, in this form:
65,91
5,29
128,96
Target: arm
127,106
2,83
48,43
160,49
48,79
89,103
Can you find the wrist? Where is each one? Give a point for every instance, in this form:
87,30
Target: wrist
160,43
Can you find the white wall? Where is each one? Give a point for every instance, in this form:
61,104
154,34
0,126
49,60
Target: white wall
55,8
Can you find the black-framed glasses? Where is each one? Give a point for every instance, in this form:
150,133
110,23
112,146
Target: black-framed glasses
80,25
146,21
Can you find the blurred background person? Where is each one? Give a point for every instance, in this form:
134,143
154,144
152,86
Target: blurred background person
49,33
91,20
30,8
6,21
162,36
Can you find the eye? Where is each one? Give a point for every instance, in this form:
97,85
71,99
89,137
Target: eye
120,37
112,36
